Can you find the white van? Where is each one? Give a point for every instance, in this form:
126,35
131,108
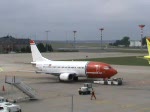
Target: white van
8,107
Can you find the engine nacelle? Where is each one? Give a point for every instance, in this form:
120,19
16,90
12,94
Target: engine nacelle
66,76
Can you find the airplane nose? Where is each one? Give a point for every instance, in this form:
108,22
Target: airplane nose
114,72
111,72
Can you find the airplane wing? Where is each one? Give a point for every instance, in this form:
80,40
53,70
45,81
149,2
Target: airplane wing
63,76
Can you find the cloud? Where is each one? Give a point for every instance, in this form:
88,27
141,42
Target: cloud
30,17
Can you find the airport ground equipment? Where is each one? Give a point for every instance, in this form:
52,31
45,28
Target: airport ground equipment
2,99
21,86
85,89
114,81
8,107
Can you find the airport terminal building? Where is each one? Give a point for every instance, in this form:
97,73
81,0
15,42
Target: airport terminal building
135,43
9,44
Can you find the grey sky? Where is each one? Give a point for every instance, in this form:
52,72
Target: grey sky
31,18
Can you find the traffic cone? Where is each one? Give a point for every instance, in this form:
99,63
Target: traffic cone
3,88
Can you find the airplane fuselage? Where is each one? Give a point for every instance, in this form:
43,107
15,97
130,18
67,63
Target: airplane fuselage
70,70
79,68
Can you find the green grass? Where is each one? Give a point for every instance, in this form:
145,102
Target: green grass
131,60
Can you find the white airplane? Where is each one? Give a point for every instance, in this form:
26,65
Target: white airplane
70,70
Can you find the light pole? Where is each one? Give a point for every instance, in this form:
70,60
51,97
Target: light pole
74,32
101,29
141,27
47,40
71,103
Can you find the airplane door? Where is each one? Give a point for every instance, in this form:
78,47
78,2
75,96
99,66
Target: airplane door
45,67
97,69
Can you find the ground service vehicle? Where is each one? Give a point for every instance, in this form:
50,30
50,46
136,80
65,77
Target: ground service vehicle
2,99
8,107
114,81
86,89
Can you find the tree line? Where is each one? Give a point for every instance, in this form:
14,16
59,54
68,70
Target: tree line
125,41
40,46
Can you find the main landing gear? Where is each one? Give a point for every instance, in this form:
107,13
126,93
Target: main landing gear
75,78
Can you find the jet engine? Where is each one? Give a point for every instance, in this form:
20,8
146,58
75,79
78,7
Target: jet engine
66,77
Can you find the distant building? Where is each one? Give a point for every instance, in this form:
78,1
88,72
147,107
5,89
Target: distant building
9,43
135,43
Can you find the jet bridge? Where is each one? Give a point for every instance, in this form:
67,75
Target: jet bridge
21,86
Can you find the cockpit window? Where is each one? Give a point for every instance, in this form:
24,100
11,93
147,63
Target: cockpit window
107,67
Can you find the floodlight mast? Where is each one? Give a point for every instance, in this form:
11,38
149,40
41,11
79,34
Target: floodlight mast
74,32
101,29
141,27
47,40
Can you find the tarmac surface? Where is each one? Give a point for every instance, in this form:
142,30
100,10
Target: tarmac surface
55,96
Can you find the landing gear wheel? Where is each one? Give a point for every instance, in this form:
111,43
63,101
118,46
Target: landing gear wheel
75,78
